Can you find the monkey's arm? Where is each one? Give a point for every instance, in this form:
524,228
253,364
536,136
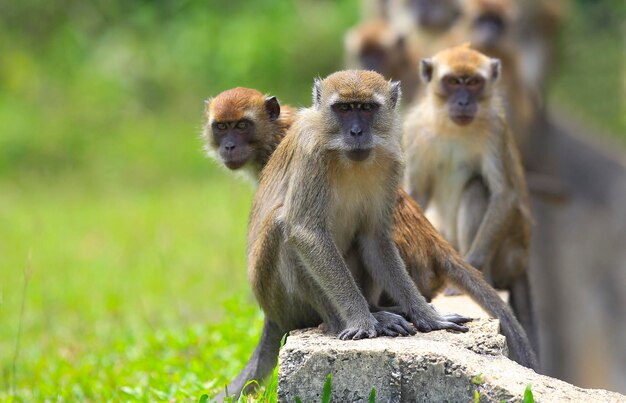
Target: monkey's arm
418,182
382,260
500,209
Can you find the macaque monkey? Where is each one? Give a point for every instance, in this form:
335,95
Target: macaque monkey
376,45
430,261
465,171
424,22
538,28
244,128
489,26
429,17
324,199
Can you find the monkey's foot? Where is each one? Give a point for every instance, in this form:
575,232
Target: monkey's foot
440,322
357,333
390,324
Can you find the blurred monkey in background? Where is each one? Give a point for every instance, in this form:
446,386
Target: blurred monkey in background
376,45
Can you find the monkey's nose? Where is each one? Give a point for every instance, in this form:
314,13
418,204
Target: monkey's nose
229,146
356,131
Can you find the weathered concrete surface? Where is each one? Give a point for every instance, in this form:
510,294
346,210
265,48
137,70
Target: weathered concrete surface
438,366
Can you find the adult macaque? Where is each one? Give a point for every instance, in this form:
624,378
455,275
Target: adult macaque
430,261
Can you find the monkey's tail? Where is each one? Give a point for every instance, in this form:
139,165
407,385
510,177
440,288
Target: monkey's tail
260,364
521,303
470,280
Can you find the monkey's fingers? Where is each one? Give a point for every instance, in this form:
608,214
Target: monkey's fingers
393,323
453,326
387,332
356,334
457,318
404,330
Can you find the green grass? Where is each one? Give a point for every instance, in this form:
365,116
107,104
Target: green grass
133,292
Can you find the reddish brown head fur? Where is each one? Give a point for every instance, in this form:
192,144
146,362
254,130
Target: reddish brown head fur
230,105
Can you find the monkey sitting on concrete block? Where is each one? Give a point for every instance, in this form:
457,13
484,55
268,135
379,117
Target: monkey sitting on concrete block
465,171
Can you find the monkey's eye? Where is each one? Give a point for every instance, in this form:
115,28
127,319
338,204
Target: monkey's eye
242,125
221,126
453,81
473,82
341,107
367,107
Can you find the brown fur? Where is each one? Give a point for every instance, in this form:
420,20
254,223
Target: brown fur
397,59
237,103
444,159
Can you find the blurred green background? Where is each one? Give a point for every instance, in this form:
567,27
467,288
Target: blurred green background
123,246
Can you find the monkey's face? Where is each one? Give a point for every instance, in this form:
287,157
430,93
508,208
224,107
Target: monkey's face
462,80
487,30
359,110
236,121
384,58
234,140
435,15
355,120
462,93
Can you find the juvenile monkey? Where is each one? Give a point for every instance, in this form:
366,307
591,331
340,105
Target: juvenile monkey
490,27
464,169
244,127
376,45
430,261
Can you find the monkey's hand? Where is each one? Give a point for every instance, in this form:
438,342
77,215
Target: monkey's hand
430,321
390,324
358,331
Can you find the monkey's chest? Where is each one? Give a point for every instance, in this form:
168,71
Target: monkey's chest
354,209
456,165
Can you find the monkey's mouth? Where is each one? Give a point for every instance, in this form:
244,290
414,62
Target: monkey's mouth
358,154
462,120
235,164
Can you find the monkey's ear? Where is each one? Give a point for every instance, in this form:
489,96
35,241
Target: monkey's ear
317,93
495,69
272,107
396,93
426,70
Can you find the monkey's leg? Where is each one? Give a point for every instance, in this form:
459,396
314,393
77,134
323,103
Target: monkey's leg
260,364
383,262
472,208
521,302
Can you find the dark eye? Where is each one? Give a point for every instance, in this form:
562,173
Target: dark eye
242,125
221,126
367,107
473,82
344,107
453,81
